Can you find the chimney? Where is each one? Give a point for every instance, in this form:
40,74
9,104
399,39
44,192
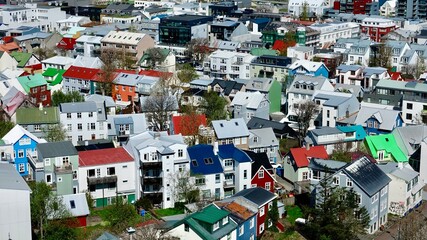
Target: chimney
40,106
400,165
86,143
307,146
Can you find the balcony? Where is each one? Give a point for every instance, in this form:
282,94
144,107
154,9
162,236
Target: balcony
68,168
124,133
229,183
151,164
228,168
101,180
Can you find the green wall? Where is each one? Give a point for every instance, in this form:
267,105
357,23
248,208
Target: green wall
274,96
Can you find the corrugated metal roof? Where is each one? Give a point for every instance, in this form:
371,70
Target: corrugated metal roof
10,178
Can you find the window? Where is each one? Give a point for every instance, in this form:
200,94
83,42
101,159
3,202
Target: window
21,153
252,223
408,186
47,162
374,213
80,138
304,175
68,115
336,180
79,115
380,155
215,226
409,116
224,220
261,174
69,127
349,183
245,174
74,174
186,227
409,105
261,212
92,126
48,178
91,173
59,179
383,191
228,163
241,230
200,181
90,114
79,127
374,198
111,171
217,178
267,186
37,128
208,161
72,204
261,228
180,153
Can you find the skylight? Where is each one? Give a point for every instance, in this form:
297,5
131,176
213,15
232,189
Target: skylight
194,162
208,161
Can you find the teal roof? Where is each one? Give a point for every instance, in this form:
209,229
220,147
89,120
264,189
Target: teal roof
387,143
403,86
263,51
31,81
210,214
360,132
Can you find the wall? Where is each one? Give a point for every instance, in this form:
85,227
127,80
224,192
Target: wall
28,148
100,131
15,217
274,96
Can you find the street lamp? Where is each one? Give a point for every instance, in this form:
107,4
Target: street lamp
130,231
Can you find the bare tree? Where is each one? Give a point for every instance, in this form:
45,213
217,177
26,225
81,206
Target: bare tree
155,56
415,70
108,58
381,56
184,188
198,48
160,104
412,227
305,112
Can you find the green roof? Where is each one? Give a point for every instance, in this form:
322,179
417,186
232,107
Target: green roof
145,56
211,214
48,115
53,72
360,131
387,143
30,81
263,51
21,57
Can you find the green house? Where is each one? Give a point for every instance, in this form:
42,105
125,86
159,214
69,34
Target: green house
272,88
53,76
24,59
384,147
35,120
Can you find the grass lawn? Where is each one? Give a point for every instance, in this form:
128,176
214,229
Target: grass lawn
293,212
168,212
289,234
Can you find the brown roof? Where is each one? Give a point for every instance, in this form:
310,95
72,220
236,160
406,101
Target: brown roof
236,209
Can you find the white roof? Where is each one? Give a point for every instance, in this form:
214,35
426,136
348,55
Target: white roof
16,133
249,99
88,62
59,60
309,65
10,178
76,204
227,54
123,37
89,39
230,128
73,19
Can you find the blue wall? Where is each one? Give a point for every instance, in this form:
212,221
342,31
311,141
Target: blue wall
321,71
376,131
23,160
247,231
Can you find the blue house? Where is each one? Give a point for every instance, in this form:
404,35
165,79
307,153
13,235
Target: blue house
24,148
308,68
377,121
243,216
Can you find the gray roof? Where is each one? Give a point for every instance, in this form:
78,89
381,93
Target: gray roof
10,178
266,138
406,172
325,131
138,120
346,68
57,149
265,84
77,107
129,79
322,164
33,35
317,83
230,128
107,236
76,204
251,100
386,118
257,195
367,175
109,102
409,138
402,86
369,71
332,98
201,82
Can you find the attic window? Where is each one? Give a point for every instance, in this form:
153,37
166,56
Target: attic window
221,125
237,124
72,204
208,161
194,162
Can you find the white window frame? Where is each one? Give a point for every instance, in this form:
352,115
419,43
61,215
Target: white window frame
241,230
252,223
261,174
262,211
47,162
349,182
48,174
268,186
336,180
261,228
215,226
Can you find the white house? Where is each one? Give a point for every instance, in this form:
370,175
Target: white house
73,21
15,217
230,65
388,9
7,62
107,173
250,104
264,140
300,52
58,62
330,32
317,7
88,46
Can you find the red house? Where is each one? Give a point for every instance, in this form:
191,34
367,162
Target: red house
191,129
262,171
77,205
263,200
376,28
66,43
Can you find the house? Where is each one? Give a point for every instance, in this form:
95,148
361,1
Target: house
331,31
31,42
66,44
243,216
159,158
81,79
37,89
398,51
377,121
209,223
334,107
281,130
237,166
121,126
262,172
384,147
58,62
165,63
88,46
127,87
296,161
53,77
405,191
250,104
331,60
131,43
61,163
376,27
103,101
345,138
15,220
231,131
295,8
7,61
271,88
264,140
25,59
227,88
268,66
364,177
358,50
78,207
106,174
308,68
24,145
208,171
228,65
300,52
260,198
83,121
180,29
37,120
13,100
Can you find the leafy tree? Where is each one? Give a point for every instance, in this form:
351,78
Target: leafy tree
144,203
43,53
184,187
55,133
213,106
59,229
273,216
109,57
304,13
59,97
198,48
190,122
304,113
187,73
381,56
5,127
341,153
154,56
45,205
121,215
89,200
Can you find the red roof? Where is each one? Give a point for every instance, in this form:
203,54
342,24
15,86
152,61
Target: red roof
104,156
178,120
301,155
67,43
154,73
305,23
82,73
396,76
278,45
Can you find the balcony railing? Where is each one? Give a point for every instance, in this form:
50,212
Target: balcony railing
101,180
63,169
229,183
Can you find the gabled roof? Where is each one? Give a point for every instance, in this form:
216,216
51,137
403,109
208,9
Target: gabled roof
239,212
259,160
230,128
87,62
31,81
228,151
308,65
76,204
405,172
21,57
103,157
278,127
358,129
82,73
54,72
260,84
16,133
227,85
46,115
12,100
259,196
264,138
386,117
323,164
302,155
203,160
57,149
251,100
107,100
10,178
67,43
367,175
345,68
76,107
385,142
179,126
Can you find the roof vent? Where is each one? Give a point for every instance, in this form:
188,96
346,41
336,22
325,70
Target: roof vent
386,139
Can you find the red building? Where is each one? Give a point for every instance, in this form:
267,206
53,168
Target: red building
376,28
353,6
262,171
37,88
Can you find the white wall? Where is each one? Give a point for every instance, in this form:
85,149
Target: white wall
15,215
100,130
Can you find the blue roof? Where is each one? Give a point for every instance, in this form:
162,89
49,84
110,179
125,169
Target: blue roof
203,160
260,20
230,151
360,132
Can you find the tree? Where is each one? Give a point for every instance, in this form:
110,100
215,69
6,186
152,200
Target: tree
5,127
187,73
55,133
381,56
341,153
198,48
120,214
43,53
184,187
59,97
189,124
414,70
45,206
273,216
109,57
160,104
213,106
144,203
304,113
304,13
155,56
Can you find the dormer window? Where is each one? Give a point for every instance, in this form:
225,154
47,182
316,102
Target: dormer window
208,161
224,220
255,139
296,85
215,226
